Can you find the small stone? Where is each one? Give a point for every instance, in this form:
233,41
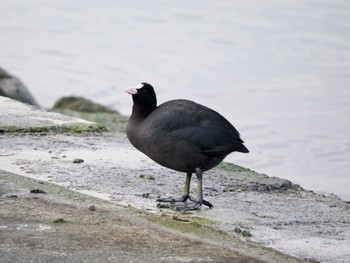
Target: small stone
37,191
147,176
246,233
12,196
145,195
59,221
92,208
238,230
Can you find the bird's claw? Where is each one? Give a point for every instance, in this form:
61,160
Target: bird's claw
184,206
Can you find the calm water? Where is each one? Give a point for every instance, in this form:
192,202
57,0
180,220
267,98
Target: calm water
280,72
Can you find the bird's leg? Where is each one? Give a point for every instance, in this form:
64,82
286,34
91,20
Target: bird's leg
196,202
199,201
185,195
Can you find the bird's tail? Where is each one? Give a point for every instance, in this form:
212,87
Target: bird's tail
242,149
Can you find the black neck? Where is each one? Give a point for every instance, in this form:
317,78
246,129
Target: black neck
140,112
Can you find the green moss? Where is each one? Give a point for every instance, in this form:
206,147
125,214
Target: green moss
113,121
238,230
80,104
71,129
183,224
206,229
49,188
181,221
59,221
37,191
147,176
202,221
230,167
77,160
244,233
82,129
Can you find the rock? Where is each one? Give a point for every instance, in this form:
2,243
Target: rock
88,110
78,160
17,117
12,87
80,104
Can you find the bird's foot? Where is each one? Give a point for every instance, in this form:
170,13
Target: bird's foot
181,207
208,204
184,206
174,200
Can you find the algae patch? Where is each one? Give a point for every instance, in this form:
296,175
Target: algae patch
49,188
244,233
37,191
78,160
147,177
230,167
112,121
59,221
80,104
182,221
69,129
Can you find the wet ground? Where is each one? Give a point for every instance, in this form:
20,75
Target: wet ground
61,226
254,216
270,211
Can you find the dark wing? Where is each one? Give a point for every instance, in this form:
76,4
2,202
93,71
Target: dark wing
202,126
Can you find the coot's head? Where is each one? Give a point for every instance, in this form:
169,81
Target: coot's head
143,95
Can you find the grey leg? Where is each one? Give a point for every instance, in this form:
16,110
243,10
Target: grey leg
199,186
185,195
196,202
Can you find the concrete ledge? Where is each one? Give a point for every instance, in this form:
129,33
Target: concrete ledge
59,225
17,117
265,218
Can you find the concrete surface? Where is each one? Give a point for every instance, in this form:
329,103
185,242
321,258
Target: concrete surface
275,212
16,116
63,226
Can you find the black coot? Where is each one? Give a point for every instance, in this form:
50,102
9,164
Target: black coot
181,135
